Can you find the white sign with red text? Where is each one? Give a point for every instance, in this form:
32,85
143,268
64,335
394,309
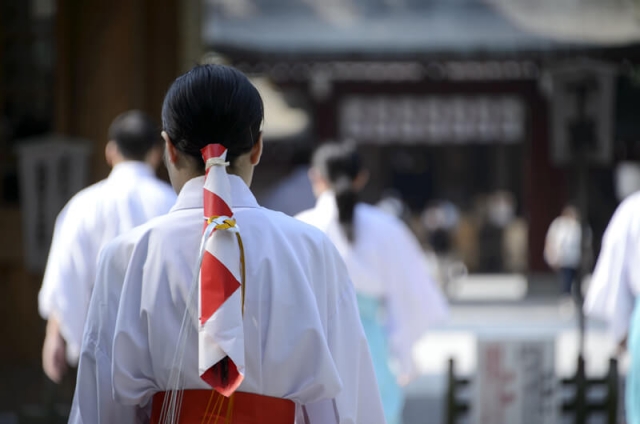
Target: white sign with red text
515,382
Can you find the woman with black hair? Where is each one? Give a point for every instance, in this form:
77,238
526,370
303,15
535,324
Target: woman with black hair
255,321
396,295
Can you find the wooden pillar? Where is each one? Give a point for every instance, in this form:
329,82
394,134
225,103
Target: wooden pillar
544,191
191,46
112,56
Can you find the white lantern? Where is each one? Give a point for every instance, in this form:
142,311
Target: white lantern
581,91
52,169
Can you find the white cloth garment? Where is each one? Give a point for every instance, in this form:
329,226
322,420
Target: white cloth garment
130,196
616,280
303,337
386,261
563,243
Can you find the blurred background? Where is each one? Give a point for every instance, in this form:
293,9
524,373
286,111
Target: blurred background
479,120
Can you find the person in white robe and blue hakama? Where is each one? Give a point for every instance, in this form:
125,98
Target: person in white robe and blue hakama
398,299
613,292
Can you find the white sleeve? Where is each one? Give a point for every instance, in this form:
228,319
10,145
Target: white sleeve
68,279
133,376
610,296
415,301
550,243
93,402
49,283
359,400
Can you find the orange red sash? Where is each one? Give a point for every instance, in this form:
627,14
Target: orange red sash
210,407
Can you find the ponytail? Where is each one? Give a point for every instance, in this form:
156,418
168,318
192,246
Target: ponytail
339,164
346,200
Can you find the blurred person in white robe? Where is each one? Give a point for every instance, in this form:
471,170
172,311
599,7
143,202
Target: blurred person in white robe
130,196
563,252
289,347
391,202
398,297
627,179
613,292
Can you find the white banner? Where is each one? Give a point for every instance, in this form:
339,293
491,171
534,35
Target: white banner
516,382
433,120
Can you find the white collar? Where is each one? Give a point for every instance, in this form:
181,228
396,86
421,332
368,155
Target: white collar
131,168
191,195
326,203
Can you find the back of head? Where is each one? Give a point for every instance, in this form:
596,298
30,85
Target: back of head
213,104
135,134
571,211
339,164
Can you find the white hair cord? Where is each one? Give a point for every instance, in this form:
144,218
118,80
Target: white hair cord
215,162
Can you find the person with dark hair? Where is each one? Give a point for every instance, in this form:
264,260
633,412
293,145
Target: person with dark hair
397,296
613,295
130,196
563,253
221,310
133,135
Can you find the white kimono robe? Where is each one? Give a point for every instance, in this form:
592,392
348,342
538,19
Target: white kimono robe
616,279
130,196
303,337
387,262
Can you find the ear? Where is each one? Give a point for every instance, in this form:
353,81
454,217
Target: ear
110,152
361,180
318,184
256,152
171,151
154,156
314,176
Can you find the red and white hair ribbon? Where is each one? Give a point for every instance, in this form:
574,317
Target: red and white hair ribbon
221,282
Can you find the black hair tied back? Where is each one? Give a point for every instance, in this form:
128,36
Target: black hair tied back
339,164
213,104
346,200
